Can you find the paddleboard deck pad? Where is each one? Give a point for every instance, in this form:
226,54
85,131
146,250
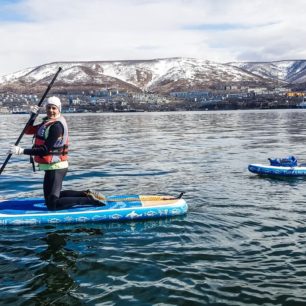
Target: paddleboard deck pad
297,171
131,207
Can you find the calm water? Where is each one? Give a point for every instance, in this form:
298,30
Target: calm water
243,241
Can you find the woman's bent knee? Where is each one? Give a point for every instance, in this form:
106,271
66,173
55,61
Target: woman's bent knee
51,202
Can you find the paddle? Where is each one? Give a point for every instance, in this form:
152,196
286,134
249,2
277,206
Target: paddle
32,118
142,198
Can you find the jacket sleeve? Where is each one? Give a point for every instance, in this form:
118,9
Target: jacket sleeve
31,128
56,131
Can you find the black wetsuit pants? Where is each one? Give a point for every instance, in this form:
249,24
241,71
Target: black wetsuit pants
55,198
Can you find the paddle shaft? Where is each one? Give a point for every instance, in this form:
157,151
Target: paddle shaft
32,118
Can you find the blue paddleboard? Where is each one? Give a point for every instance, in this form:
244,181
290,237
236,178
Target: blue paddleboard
296,171
131,207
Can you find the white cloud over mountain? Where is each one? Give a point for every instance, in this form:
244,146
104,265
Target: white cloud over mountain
35,32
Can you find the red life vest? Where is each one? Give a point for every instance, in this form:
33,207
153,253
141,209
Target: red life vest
59,152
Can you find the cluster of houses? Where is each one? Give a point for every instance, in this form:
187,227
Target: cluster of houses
104,100
11,102
114,100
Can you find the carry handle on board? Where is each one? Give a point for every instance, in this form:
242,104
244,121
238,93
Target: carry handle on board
32,118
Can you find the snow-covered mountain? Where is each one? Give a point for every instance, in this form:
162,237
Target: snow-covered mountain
288,71
157,75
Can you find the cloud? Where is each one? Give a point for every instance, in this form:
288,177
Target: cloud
224,26
35,32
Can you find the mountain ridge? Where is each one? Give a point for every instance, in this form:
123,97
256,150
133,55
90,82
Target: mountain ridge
160,76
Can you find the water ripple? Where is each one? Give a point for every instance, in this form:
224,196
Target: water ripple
241,243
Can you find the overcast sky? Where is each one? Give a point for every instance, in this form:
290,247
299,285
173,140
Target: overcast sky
35,32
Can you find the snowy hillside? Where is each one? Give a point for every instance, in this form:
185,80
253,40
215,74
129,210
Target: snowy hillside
288,71
157,75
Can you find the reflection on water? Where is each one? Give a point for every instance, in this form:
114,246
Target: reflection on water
54,275
241,242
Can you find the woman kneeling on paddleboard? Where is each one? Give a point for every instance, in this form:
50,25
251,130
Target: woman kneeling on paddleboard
50,151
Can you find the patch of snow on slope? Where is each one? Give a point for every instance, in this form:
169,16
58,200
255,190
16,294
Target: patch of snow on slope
14,76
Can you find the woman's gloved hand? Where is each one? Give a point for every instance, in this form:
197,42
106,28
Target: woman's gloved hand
34,109
15,150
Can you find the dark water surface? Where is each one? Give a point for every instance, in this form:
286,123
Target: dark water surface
243,241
